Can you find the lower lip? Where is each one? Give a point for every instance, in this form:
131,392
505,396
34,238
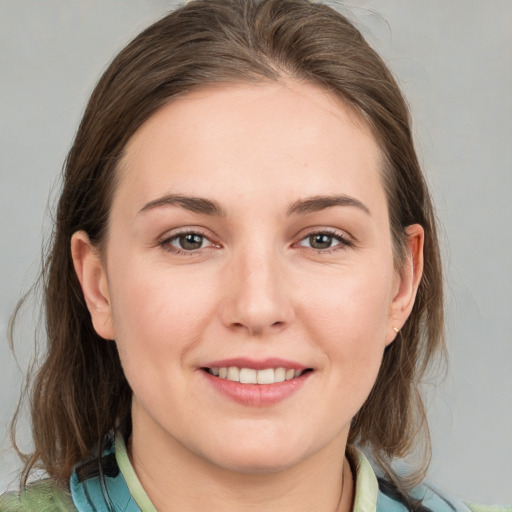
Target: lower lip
257,395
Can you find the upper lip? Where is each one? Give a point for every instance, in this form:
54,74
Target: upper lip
256,364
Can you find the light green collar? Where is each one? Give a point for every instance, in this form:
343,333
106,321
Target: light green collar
134,486
367,488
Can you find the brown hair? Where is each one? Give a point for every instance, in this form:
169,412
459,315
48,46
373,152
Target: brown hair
80,393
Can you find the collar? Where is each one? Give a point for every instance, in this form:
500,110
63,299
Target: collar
366,491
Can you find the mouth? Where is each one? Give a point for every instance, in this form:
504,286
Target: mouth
264,376
256,382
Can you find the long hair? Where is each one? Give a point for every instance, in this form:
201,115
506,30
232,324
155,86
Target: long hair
79,392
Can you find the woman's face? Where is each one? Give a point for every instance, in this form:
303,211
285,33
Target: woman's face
249,236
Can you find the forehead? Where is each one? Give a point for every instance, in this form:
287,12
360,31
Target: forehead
244,138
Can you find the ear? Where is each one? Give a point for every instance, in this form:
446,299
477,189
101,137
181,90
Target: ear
93,280
407,281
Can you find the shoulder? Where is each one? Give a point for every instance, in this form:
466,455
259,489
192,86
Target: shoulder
374,494
43,496
423,498
489,508
435,500
428,498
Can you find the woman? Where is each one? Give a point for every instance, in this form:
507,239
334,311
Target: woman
244,282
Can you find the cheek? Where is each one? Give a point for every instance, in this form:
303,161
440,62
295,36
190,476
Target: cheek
347,315
349,303
158,316
157,325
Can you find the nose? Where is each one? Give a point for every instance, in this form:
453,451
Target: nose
257,294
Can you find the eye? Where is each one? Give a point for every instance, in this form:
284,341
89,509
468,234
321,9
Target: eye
187,242
324,240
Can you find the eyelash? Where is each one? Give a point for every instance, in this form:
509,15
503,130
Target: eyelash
344,242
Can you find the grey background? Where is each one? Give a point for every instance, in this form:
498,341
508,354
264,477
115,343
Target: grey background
453,58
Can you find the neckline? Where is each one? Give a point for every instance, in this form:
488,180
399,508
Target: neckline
365,492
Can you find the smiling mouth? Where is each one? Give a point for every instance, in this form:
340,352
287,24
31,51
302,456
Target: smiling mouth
252,376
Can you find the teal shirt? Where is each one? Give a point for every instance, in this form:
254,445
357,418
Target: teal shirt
113,486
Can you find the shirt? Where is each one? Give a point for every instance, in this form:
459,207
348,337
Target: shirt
109,484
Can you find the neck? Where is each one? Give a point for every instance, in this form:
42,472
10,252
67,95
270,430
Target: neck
176,478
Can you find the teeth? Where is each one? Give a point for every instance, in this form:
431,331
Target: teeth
251,376
233,373
265,376
279,375
248,376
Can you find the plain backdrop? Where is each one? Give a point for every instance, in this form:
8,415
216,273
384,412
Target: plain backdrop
453,59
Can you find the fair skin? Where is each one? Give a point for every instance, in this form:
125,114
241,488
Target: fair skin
258,274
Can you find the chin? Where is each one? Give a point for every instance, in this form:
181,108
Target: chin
257,455
257,463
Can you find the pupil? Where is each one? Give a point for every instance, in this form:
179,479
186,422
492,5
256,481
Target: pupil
320,241
191,241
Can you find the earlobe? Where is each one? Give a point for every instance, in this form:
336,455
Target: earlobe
408,281
93,280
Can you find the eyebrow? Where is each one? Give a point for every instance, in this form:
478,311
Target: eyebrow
318,203
211,207
194,204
